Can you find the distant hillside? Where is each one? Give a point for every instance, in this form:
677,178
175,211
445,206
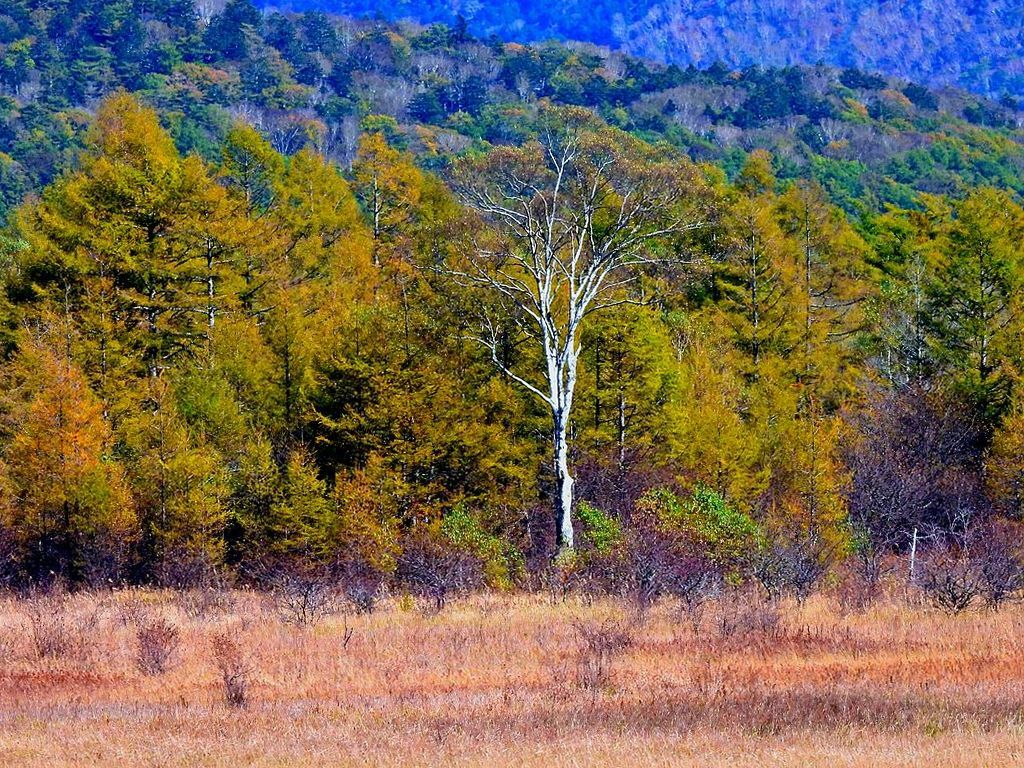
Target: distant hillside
314,79
975,44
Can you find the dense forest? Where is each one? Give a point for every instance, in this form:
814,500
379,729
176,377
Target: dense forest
968,43
296,294
310,80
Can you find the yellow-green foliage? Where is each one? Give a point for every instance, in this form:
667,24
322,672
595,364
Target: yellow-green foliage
502,562
600,530
728,537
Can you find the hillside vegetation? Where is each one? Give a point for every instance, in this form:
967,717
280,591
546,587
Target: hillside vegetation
298,301
311,80
973,45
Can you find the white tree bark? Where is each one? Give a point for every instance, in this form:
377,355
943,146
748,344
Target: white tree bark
575,213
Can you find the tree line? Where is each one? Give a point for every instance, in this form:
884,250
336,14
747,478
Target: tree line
586,348
311,79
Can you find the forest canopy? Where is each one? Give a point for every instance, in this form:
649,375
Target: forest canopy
263,310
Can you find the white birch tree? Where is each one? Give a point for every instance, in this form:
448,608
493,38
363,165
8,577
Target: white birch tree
574,215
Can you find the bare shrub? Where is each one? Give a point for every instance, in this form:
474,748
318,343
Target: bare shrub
951,580
912,460
233,667
597,645
434,571
748,618
105,561
855,590
57,630
1000,565
304,598
157,641
653,562
1002,577
203,602
184,569
363,595
792,567
694,586
361,585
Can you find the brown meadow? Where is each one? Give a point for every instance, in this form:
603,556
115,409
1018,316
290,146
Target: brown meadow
194,679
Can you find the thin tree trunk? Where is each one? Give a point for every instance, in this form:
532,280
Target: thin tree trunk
564,481
562,381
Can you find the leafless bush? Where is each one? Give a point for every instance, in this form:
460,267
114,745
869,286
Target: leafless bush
434,571
157,641
202,602
1002,577
361,584
792,567
856,590
694,588
651,561
747,617
654,563
56,629
913,460
1000,565
597,645
951,579
105,560
363,595
233,667
304,598
184,569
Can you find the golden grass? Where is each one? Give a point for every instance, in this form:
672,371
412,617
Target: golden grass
498,680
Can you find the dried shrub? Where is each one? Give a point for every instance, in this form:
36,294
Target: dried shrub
648,560
1000,564
184,569
1002,578
234,669
433,570
57,630
597,645
748,618
105,560
157,641
204,602
951,579
660,567
793,567
363,592
361,579
696,581
912,458
856,591
304,597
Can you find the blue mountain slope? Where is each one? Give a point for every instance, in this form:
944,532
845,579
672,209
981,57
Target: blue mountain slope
976,44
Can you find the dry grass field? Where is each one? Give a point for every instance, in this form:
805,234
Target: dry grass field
144,678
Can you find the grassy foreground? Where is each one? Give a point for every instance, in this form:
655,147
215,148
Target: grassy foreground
143,678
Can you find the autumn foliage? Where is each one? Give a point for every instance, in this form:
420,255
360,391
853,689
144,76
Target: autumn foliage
268,366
